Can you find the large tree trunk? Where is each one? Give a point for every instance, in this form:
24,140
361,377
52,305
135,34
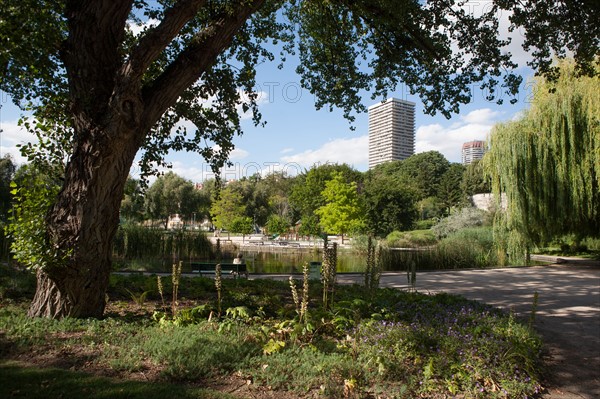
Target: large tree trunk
82,224
79,294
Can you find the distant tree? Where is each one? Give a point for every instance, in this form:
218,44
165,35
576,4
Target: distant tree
424,171
389,204
430,208
255,198
241,225
279,187
207,195
227,208
307,191
132,205
547,164
343,211
309,226
258,204
202,204
450,191
171,194
474,180
277,225
388,169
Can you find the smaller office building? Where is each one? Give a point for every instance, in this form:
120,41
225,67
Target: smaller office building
472,151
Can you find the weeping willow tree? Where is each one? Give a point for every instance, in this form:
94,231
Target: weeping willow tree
547,165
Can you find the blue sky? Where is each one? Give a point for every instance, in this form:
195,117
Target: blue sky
297,136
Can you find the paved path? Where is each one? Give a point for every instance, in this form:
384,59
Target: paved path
568,313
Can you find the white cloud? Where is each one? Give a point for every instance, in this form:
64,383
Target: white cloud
353,151
235,154
448,140
238,153
480,116
136,29
11,135
286,150
190,172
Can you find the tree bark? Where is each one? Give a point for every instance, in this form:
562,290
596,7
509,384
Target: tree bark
75,295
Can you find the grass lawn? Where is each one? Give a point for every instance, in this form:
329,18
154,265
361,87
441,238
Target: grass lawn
270,338
19,380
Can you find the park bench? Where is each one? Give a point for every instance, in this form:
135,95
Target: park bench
209,268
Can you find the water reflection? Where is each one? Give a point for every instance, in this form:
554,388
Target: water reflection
291,260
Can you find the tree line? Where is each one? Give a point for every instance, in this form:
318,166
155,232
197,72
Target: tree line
329,198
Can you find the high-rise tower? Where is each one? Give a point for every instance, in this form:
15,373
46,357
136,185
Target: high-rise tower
391,131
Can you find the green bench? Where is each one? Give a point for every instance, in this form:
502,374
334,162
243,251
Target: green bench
226,268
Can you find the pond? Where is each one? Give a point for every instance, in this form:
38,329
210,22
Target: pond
292,260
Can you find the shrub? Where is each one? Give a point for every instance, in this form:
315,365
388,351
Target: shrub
397,239
16,283
467,248
449,345
425,224
460,219
360,243
410,239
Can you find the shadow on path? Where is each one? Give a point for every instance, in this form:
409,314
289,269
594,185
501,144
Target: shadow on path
567,316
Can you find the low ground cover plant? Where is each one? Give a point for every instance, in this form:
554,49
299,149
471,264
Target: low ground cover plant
365,343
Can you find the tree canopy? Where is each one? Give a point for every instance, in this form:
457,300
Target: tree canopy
307,190
547,163
343,211
132,205
103,92
389,201
171,194
227,208
425,171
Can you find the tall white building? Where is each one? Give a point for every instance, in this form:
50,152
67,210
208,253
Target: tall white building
391,131
472,151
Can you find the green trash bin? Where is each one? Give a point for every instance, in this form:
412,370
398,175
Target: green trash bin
314,271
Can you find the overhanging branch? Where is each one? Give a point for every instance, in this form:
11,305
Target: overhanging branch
154,41
194,60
